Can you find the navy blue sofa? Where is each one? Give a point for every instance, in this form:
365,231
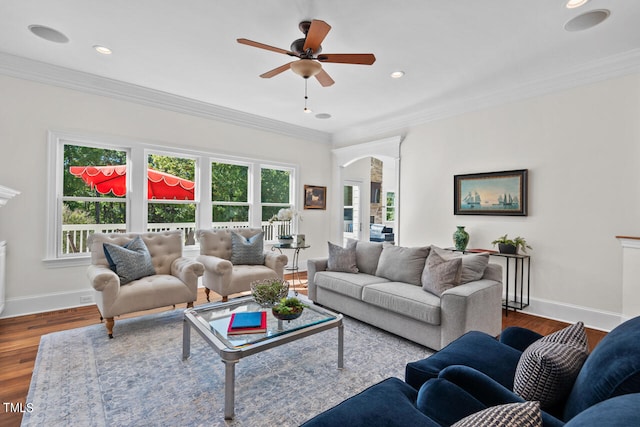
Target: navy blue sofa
476,371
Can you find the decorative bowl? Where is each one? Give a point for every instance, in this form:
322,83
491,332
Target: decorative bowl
269,292
288,316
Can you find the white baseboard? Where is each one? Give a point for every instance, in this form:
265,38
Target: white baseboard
596,319
592,318
47,302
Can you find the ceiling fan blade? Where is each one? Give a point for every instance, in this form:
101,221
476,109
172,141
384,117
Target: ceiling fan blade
324,78
348,58
317,32
265,46
276,71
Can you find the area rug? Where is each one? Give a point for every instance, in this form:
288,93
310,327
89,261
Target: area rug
82,378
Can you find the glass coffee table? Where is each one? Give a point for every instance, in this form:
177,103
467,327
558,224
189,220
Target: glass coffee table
212,320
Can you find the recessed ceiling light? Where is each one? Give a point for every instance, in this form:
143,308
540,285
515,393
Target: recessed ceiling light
102,49
397,74
572,4
323,116
48,33
587,20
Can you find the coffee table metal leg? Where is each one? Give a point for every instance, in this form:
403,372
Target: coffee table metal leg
340,346
186,339
229,388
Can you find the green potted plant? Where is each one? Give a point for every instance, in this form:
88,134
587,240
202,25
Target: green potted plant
511,246
268,292
288,308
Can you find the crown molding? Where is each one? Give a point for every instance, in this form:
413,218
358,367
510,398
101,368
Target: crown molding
595,71
602,69
41,72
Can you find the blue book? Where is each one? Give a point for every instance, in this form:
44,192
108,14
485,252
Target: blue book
252,319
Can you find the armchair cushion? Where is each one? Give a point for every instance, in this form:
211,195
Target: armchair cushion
131,261
526,414
548,368
247,250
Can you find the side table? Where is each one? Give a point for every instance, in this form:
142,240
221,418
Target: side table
520,263
294,268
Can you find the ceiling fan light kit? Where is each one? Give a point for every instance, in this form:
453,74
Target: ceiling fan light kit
306,68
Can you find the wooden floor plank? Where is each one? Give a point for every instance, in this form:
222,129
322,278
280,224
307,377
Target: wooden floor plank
20,337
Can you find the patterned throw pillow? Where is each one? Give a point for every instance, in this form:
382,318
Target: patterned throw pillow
131,261
525,414
247,251
440,274
548,368
342,259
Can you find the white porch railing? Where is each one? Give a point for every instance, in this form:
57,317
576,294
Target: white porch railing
74,236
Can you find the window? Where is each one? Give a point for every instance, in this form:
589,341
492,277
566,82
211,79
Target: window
98,184
171,190
230,194
391,206
275,194
93,196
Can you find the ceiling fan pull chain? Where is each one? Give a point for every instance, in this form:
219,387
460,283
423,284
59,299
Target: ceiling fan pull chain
306,110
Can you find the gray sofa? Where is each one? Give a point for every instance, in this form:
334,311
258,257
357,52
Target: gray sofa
393,289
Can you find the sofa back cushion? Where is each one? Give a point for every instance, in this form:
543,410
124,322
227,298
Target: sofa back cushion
367,255
218,243
400,264
473,265
612,369
164,247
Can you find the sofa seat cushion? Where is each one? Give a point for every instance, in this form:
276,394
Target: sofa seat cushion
464,351
406,299
348,284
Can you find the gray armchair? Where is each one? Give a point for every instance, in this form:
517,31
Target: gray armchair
225,278
175,280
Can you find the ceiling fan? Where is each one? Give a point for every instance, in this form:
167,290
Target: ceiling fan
308,50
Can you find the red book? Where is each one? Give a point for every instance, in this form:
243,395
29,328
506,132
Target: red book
247,318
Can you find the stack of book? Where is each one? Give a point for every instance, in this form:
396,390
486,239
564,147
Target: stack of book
253,322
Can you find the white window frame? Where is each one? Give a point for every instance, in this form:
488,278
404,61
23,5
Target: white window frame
136,201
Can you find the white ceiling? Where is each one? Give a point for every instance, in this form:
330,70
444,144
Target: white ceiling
457,55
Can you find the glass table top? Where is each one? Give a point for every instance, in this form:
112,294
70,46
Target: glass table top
217,317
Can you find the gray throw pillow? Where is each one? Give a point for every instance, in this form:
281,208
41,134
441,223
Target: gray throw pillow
367,255
400,264
548,368
526,414
247,251
473,265
342,259
131,261
440,274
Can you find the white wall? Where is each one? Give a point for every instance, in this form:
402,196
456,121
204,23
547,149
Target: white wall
28,110
581,148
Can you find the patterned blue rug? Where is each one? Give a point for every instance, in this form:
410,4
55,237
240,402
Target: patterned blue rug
82,378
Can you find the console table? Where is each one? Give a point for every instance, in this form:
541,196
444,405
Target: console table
520,263
294,268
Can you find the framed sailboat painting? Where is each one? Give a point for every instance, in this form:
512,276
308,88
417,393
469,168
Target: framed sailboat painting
492,193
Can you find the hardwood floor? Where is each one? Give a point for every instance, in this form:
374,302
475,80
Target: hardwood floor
20,337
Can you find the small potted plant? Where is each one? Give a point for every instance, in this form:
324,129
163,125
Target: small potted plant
288,308
511,246
268,292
